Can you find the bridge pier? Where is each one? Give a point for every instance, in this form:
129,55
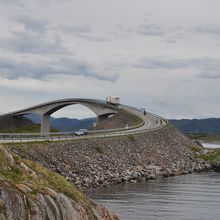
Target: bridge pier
45,124
99,107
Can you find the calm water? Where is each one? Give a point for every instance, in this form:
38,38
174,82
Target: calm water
190,197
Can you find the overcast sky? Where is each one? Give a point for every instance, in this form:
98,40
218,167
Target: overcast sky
163,55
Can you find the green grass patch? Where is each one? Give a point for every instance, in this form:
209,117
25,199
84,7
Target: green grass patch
212,155
131,138
16,174
205,137
35,128
54,181
197,148
138,120
99,149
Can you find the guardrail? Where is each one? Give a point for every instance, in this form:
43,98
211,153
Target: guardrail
60,136
70,136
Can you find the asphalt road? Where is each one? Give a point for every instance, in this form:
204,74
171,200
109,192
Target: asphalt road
150,122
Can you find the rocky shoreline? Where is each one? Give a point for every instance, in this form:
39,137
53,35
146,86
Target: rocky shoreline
30,191
107,161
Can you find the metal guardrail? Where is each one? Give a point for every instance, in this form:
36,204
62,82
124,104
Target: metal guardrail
67,137
60,136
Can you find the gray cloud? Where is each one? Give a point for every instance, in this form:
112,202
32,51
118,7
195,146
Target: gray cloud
151,30
76,29
12,69
207,67
82,31
162,63
208,30
164,33
10,1
28,42
32,23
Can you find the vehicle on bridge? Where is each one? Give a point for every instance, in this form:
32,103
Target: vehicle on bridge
144,111
114,100
81,132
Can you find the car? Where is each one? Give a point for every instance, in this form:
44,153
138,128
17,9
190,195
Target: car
81,132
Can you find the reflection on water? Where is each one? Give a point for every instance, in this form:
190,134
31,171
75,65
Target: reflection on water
190,197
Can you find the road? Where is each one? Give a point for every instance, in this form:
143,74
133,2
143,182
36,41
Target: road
150,122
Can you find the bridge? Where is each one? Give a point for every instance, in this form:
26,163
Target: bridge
99,107
150,122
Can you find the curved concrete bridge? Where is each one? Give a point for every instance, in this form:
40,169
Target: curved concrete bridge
99,107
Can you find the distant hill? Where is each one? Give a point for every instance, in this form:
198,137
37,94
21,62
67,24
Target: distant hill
11,122
17,124
204,126
65,124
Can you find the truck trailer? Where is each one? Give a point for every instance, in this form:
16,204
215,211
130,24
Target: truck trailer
114,100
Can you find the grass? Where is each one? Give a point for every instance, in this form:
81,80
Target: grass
131,138
99,149
54,181
205,137
138,120
35,128
197,149
212,156
45,178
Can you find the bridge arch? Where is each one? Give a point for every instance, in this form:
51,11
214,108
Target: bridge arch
100,108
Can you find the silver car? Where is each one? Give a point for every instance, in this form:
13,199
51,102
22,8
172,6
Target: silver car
81,132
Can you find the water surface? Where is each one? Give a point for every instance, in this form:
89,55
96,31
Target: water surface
189,197
211,145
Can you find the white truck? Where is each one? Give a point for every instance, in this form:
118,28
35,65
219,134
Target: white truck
114,100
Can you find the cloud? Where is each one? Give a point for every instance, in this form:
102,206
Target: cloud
82,31
28,42
161,63
151,30
32,23
206,67
76,29
12,69
208,30
10,1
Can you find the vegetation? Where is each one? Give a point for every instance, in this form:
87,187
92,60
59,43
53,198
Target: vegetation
205,137
131,138
35,128
204,126
136,119
99,149
17,174
54,181
197,148
211,155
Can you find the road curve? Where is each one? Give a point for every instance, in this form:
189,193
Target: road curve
150,122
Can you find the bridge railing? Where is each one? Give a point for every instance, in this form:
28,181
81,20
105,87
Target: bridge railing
59,136
68,136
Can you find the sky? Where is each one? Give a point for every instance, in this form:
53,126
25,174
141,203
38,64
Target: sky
162,55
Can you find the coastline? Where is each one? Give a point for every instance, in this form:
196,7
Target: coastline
108,161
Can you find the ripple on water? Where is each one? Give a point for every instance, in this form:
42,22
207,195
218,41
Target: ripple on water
190,197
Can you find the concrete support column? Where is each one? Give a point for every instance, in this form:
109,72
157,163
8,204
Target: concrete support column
45,124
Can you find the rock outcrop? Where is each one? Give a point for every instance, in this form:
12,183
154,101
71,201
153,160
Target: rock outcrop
29,191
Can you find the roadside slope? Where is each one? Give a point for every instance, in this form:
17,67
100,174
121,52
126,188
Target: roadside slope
106,161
